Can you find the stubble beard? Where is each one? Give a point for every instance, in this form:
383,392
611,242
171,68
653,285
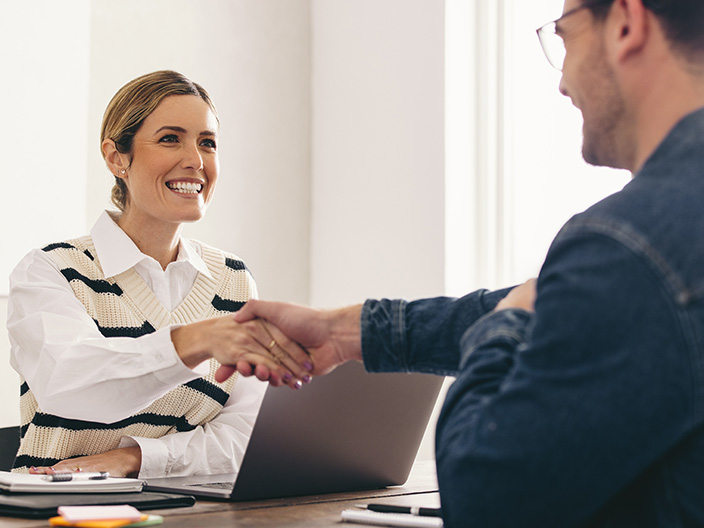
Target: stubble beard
603,138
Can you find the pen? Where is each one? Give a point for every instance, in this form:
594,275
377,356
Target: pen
86,475
413,510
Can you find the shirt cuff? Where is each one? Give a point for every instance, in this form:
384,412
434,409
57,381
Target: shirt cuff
384,335
155,456
169,369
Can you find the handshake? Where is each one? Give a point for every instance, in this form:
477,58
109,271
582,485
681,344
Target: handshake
287,344
284,344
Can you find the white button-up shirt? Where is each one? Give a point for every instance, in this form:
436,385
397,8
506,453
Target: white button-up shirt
57,348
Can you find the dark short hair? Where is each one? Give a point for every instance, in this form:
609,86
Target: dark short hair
682,22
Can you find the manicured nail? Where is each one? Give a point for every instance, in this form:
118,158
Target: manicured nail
287,377
33,468
297,385
306,379
308,366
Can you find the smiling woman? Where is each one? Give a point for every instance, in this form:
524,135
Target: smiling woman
117,335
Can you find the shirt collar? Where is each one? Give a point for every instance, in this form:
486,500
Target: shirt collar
117,253
685,139
190,253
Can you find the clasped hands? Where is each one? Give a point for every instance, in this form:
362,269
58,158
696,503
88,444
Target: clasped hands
280,343
296,342
284,344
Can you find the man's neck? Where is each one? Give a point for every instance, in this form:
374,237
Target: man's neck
662,101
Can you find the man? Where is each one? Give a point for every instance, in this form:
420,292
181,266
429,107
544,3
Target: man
579,398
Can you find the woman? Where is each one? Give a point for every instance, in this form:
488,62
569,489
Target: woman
117,336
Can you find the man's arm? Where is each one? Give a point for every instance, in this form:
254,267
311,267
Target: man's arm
422,335
389,336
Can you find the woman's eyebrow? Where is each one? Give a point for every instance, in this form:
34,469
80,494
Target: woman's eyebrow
173,128
183,130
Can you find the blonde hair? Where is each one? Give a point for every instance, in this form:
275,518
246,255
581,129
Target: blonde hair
132,104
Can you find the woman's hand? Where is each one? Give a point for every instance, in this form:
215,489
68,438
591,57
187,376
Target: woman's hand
254,347
122,462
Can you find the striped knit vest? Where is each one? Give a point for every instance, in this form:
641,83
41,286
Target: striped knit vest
124,306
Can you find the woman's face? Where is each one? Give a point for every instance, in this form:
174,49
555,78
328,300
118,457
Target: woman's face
174,165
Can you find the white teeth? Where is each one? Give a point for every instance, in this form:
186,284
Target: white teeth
185,187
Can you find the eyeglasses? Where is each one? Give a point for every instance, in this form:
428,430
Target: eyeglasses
552,43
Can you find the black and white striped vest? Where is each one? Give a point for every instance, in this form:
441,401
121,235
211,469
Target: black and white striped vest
124,306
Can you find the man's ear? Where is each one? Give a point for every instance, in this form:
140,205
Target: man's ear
115,160
628,28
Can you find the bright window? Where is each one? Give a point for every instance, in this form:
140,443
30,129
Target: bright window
518,160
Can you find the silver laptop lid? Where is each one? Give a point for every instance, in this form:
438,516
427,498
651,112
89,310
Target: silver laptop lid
346,431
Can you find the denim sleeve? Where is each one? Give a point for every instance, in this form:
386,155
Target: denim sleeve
420,336
555,413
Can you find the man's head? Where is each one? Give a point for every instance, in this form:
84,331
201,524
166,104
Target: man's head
619,56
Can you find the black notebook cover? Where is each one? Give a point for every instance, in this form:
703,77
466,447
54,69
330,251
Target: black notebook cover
44,505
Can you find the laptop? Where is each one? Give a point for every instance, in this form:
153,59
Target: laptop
347,431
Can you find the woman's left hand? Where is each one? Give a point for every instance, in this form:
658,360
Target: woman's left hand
122,462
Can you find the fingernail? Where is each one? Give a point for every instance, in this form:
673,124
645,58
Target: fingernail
297,385
306,379
308,365
287,377
33,468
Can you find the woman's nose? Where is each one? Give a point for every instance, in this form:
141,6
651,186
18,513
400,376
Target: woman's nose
193,159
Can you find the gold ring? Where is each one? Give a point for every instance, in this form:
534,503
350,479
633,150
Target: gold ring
78,469
272,345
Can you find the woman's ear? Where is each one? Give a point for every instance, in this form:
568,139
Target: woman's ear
116,161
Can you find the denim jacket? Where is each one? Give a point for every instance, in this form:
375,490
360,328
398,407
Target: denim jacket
589,412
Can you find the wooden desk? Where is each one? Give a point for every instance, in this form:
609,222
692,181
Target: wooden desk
296,512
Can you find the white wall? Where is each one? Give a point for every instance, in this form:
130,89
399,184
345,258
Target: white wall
44,116
377,207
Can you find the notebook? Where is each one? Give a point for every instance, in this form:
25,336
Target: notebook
24,483
45,505
346,431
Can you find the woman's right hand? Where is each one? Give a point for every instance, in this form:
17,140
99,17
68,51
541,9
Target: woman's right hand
254,346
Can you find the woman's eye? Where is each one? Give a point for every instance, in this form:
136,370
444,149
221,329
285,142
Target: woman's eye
209,143
170,138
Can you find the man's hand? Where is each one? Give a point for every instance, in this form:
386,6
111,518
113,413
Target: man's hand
522,297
